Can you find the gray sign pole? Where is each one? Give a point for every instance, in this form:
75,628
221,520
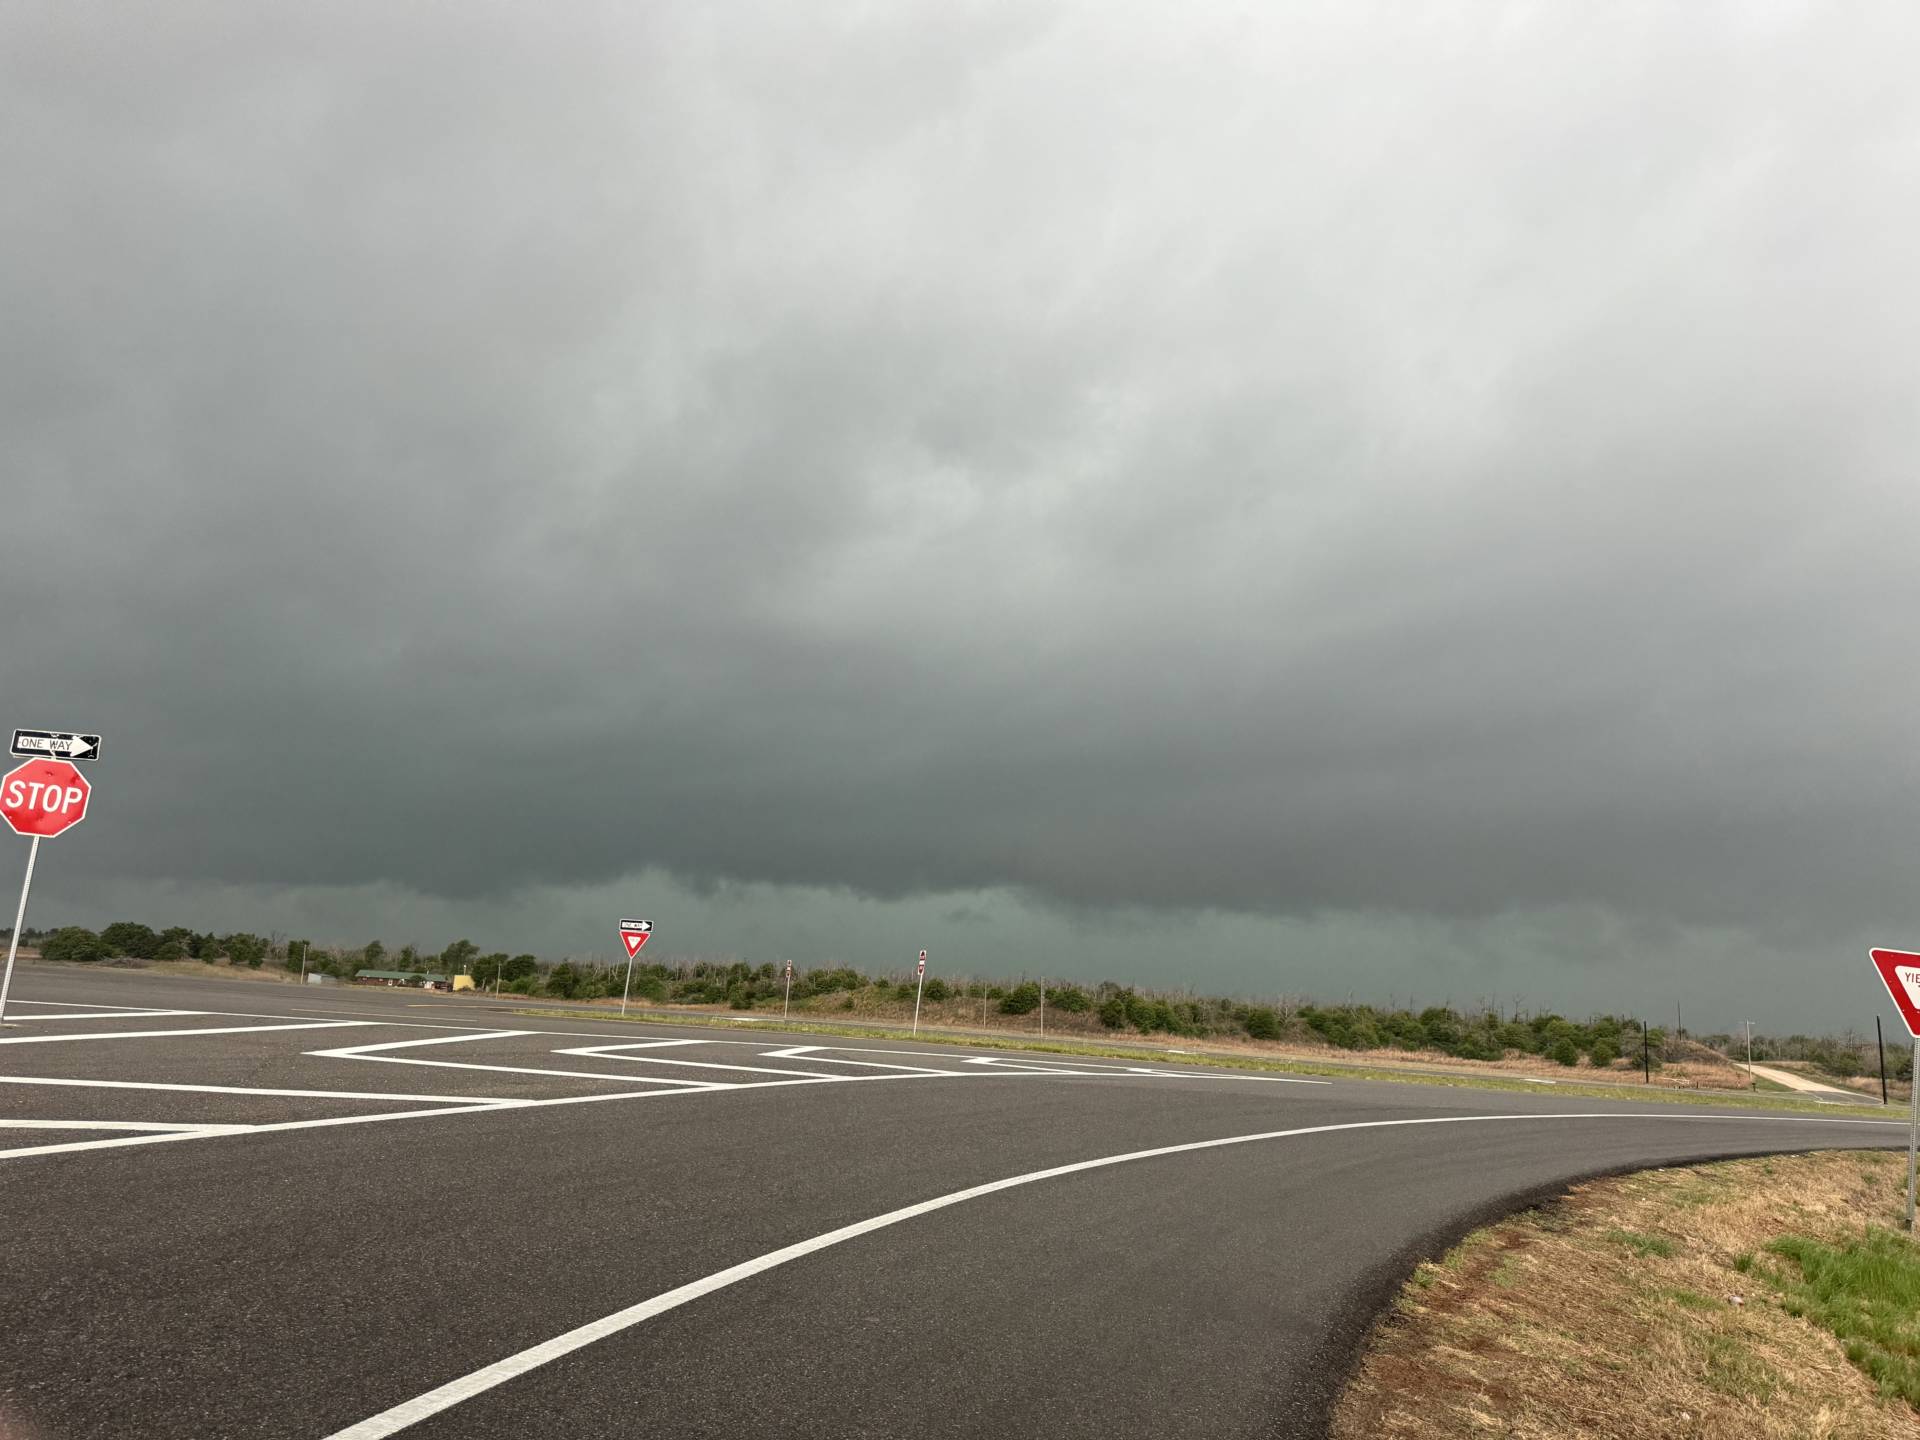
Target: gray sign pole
20,918
629,989
786,1000
1913,1135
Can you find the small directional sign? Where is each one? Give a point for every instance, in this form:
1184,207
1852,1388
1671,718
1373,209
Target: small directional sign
55,745
634,934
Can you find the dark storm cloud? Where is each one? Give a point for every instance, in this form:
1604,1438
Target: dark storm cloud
1438,464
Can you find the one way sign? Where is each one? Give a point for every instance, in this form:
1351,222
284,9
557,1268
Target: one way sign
56,745
634,934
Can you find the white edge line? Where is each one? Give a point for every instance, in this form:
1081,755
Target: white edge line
454,1392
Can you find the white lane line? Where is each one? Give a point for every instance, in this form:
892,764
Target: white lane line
377,1053
108,1015
114,1125
445,1397
614,1052
167,1034
478,1107
91,1005
817,1055
251,1090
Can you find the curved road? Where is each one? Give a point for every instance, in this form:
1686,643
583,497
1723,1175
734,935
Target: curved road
751,1248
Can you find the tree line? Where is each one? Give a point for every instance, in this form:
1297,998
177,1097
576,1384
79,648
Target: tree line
1478,1033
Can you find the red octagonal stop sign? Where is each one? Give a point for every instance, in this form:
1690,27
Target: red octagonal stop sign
43,797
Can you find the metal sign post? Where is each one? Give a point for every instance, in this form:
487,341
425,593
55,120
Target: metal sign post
1913,1134
40,798
919,986
634,934
19,918
1900,973
1043,1007
786,1000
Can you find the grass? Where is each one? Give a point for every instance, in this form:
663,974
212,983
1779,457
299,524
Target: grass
1788,1101
1751,1300
1867,1292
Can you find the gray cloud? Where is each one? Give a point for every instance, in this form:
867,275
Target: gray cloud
1434,469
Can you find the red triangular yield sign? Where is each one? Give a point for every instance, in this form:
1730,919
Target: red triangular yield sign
1901,971
633,940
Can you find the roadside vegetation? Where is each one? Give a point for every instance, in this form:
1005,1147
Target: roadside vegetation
1770,1298
1470,1037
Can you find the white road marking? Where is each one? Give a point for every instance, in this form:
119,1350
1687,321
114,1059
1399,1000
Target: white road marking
374,1052
95,1005
108,1125
108,1014
817,1054
454,1392
252,1090
169,1034
614,1052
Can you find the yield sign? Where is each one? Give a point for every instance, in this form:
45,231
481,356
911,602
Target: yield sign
634,934
1900,969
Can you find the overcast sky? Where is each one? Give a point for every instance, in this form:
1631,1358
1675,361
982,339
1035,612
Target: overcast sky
1409,500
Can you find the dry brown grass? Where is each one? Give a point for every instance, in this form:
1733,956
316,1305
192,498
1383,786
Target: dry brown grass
1621,1313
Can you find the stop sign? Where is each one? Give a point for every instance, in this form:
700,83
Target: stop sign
43,797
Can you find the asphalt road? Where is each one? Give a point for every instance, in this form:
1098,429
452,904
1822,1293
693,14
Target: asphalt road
362,1226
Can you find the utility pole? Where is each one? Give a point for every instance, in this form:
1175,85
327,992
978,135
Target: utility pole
1043,1007
1880,1039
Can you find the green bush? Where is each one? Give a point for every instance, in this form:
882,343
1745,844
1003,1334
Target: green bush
1603,1053
1564,1051
1113,1012
1263,1023
1070,999
739,996
938,990
1023,999
73,943
124,937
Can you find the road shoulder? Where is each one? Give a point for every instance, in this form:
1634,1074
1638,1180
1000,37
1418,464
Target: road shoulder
1668,1303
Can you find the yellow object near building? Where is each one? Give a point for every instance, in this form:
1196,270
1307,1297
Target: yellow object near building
462,982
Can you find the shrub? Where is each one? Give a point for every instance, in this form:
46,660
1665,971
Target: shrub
938,990
74,943
1477,1045
124,937
1113,1012
1604,1053
739,997
1021,1000
1564,1051
170,950
1262,1022
1070,999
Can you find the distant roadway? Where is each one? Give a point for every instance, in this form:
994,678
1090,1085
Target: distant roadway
236,1209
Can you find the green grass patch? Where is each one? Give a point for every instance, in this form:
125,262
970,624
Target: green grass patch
1867,1292
1641,1243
